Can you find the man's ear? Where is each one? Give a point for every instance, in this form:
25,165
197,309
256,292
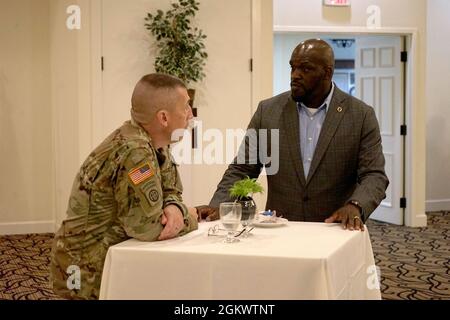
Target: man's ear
163,117
328,73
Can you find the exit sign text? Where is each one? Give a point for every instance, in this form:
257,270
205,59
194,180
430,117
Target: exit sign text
337,3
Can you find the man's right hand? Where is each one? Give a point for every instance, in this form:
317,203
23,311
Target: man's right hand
193,213
173,222
208,213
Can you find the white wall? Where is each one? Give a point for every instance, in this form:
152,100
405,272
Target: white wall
70,81
410,14
26,184
438,105
405,13
44,91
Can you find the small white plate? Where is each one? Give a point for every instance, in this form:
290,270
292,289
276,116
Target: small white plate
278,223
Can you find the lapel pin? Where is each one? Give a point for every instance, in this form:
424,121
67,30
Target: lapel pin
339,109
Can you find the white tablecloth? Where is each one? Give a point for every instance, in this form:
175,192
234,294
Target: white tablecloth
297,261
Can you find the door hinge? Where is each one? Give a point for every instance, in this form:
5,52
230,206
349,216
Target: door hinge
102,64
403,202
403,130
251,65
404,56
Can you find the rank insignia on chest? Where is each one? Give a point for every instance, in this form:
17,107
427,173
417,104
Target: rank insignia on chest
142,173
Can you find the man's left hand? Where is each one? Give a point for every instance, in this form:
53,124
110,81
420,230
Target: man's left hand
208,213
348,216
173,222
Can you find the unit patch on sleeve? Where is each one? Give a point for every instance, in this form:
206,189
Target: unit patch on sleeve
141,173
153,195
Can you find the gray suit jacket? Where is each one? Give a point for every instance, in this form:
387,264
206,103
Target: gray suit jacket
348,162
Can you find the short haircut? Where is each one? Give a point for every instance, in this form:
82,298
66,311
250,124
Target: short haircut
152,93
162,80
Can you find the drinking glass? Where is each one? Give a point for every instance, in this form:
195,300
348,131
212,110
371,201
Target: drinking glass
230,217
248,214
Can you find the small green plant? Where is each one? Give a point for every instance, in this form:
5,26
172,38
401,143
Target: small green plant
181,51
245,188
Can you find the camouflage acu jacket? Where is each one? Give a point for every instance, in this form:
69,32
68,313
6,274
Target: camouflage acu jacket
119,193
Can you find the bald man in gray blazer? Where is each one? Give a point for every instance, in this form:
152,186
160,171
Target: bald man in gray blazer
331,164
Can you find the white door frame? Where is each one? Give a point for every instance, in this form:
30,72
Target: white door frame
415,211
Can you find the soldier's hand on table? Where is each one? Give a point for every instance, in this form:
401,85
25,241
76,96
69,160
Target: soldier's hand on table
173,222
208,213
193,213
348,216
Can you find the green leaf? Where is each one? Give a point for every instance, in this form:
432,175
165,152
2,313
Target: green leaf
245,188
180,48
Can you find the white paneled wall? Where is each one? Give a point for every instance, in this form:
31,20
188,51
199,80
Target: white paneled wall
26,181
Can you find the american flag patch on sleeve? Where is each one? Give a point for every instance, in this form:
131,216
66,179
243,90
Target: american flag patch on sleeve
141,173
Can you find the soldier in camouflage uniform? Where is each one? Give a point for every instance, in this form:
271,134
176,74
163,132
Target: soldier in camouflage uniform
128,187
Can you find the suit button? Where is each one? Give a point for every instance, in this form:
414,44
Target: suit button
305,198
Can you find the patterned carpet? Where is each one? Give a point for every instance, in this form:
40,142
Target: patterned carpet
414,262
24,267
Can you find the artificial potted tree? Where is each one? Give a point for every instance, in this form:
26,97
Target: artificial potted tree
242,191
180,47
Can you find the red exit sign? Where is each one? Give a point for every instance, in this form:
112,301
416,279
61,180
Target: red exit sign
337,3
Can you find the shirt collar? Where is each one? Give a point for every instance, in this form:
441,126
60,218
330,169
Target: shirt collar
326,103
